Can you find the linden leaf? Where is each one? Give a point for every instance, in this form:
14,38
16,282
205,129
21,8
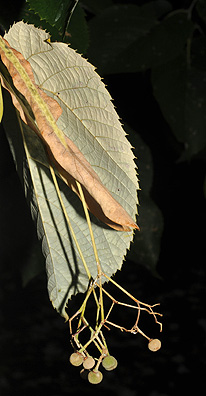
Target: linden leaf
89,129
68,158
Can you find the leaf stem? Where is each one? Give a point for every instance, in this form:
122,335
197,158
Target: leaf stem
67,219
70,12
99,269
89,225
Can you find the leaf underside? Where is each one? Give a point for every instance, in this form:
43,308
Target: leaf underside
90,121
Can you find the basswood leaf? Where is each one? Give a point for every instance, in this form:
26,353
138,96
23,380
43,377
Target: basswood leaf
124,23
180,90
55,12
146,245
68,158
146,44
89,120
76,33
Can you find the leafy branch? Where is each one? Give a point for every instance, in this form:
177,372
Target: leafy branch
56,163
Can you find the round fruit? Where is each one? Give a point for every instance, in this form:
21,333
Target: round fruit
109,363
89,362
154,345
76,359
95,377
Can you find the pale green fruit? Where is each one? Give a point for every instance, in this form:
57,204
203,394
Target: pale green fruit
89,363
109,363
95,377
154,345
76,359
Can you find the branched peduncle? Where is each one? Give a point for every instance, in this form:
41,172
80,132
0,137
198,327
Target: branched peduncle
97,292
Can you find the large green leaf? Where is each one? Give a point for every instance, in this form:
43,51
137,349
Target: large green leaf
146,245
55,12
165,41
136,40
74,32
201,9
89,119
77,34
180,90
114,30
95,6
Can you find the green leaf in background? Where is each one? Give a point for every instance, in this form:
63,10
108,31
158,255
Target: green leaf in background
55,12
32,17
90,120
77,33
201,9
136,40
164,42
95,6
74,33
180,90
146,245
197,52
113,30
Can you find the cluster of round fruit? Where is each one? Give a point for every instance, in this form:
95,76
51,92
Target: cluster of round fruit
93,374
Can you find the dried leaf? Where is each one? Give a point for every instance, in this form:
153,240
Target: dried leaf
70,162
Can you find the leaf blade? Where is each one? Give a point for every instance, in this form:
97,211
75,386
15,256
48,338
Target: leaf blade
66,274
180,91
46,110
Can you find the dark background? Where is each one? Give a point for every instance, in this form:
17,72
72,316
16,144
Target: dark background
34,340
